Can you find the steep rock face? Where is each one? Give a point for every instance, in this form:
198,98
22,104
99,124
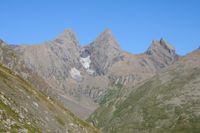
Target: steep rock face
97,59
104,51
54,57
161,53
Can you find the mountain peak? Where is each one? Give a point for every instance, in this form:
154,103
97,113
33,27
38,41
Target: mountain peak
166,44
106,39
107,32
161,53
160,46
66,34
103,52
68,38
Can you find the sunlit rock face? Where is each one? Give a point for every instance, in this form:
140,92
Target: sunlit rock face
103,51
161,53
53,60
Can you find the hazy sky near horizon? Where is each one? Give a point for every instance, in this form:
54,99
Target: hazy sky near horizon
135,23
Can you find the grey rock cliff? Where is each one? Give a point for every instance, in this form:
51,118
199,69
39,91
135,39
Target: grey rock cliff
161,53
104,51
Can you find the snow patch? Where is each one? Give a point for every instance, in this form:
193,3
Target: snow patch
76,74
85,62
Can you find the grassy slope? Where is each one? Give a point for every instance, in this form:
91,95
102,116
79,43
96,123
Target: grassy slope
24,108
169,102
11,60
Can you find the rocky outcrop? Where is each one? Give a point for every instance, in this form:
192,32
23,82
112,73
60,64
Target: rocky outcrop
104,51
161,53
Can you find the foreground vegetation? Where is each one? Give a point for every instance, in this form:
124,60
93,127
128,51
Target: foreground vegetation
168,102
25,109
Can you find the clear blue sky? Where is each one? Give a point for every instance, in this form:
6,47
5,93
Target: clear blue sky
135,23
